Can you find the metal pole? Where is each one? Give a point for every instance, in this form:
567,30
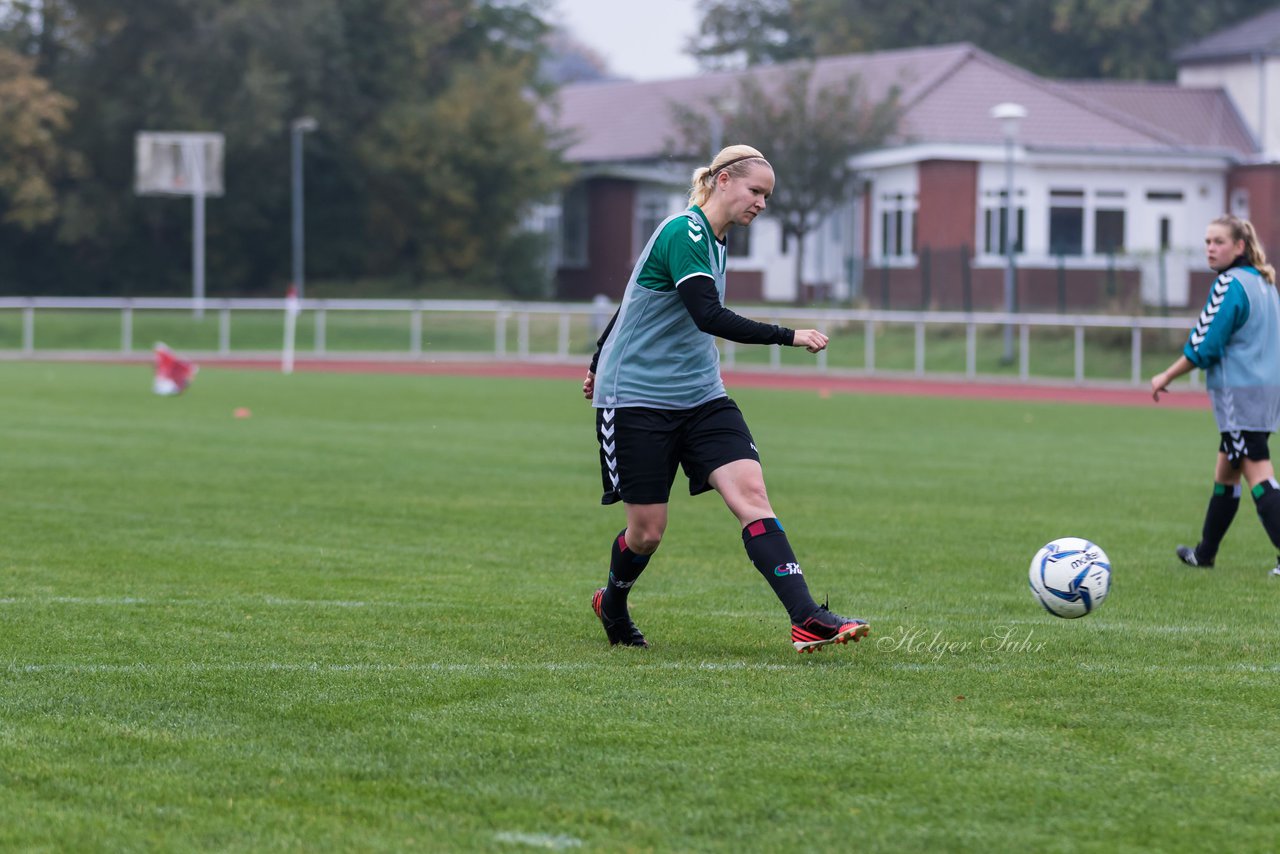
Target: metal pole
300,126
1008,247
197,253
197,227
296,161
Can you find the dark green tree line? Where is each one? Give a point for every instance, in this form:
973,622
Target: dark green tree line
1131,39
428,152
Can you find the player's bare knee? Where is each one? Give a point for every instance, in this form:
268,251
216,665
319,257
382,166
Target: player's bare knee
644,540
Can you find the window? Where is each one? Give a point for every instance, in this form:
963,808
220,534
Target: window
574,235
1240,202
1108,232
1066,222
1164,195
897,225
739,242
995,226
651,210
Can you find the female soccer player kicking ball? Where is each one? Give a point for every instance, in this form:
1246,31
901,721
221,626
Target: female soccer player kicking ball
661,403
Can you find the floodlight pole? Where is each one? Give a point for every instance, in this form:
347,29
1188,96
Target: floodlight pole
1010,117
300,126
197,153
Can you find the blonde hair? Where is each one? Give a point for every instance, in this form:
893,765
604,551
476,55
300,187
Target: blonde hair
1254,256
733,159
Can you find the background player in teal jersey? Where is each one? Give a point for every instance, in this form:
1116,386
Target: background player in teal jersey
660,402
1236,341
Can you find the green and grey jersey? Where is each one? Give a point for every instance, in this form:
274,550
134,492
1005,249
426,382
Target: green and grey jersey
655,356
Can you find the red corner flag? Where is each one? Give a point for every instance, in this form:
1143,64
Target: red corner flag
173,374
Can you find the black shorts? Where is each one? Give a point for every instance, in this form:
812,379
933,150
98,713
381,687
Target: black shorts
641,447
1245,443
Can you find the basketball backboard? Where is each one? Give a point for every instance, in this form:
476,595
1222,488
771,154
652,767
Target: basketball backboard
178,164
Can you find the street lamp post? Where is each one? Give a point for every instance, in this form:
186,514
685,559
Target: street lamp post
300,126
1010,117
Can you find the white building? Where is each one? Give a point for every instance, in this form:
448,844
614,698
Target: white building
1113,183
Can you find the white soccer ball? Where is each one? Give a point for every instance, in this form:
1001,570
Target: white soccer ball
1070,577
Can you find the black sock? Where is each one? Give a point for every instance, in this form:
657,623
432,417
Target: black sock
1266,497
1223,505
625,567
767,546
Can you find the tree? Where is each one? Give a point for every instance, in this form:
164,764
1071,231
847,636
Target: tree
432,97
809,133
32,160
456,174
743,33
1059,38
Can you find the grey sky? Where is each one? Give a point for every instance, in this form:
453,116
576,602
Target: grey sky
640,40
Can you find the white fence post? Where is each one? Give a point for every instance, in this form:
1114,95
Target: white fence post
1135,356
869,346
919,360
970,350
1079,354
562,337
1024,352
126,329
522,334
224,331
28,330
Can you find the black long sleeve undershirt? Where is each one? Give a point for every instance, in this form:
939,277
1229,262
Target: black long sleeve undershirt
595,357
709,314
702,301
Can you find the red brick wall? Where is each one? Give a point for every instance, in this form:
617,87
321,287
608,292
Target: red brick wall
948,204
610,256
743,286
1038,289
1263,183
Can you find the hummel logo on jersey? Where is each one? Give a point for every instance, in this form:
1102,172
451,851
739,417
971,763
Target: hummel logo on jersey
695,237
787,569
1210,311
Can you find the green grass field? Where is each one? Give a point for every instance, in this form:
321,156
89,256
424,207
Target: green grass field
359,620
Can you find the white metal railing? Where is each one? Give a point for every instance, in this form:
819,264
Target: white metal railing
595,315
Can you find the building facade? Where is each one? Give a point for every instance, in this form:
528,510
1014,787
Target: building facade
1111,185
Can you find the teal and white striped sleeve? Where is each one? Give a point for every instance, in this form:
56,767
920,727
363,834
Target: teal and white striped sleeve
1224,312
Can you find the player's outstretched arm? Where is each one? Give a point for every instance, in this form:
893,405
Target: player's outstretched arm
810,339
710,316
1160,382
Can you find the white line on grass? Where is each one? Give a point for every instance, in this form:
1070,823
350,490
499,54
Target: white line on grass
237,601
539,840
373,667
557,667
